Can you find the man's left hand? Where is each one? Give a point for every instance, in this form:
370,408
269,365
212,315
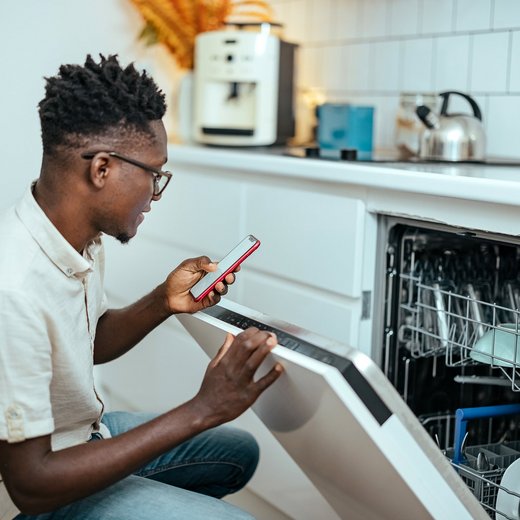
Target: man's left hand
184,277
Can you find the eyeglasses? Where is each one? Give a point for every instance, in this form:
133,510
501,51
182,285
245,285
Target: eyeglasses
160,178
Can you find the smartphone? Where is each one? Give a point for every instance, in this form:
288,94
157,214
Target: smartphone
227,265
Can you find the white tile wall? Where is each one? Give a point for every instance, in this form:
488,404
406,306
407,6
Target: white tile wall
437,16
321,20
502,123
403,17
386,66
346,19
489,68
333,72
368,51
417,65
451,63
507,14
357,67
373,20
514,64
473,15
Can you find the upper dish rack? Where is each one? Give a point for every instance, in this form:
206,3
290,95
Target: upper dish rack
466,322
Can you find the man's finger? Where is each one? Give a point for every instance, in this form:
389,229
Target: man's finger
224,348
269,378
230,279
245,343
250,331
256,358
211,299
221,288
201,263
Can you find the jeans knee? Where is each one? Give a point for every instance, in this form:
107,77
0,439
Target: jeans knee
249,453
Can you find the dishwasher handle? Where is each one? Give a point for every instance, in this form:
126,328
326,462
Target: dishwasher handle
463,415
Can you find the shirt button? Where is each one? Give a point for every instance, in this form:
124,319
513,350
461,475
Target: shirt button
13,413
69,271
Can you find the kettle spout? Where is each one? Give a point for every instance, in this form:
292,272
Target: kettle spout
429,119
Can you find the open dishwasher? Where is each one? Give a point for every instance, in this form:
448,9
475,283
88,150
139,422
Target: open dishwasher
451,347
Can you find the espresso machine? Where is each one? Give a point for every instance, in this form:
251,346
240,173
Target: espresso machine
243,91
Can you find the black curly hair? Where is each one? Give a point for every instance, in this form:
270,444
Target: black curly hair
95,99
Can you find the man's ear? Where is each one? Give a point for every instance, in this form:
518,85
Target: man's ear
99,169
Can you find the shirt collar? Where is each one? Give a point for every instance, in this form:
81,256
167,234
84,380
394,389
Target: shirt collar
51,241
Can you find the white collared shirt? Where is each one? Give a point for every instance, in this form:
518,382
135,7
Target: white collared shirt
51,298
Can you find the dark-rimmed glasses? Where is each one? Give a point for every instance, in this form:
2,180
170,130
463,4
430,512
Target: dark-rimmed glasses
160,178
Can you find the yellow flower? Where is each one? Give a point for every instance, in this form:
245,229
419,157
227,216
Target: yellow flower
176,23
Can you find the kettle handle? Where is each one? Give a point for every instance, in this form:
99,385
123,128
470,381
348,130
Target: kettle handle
445,97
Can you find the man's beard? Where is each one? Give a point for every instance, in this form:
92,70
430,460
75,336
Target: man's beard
123,238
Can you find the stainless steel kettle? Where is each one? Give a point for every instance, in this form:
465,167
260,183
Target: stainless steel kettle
452,137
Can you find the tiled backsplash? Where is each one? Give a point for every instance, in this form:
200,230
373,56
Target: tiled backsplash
369,51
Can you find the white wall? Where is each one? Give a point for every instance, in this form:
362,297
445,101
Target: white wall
368,51
36,36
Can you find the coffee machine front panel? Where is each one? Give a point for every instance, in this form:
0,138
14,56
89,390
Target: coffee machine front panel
237,88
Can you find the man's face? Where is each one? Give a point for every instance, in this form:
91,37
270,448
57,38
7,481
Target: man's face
132,192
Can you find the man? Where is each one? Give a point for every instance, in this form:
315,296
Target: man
60,457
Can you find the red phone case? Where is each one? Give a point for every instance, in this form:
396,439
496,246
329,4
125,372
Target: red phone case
253,248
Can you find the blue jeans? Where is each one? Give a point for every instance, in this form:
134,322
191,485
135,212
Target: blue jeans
184,483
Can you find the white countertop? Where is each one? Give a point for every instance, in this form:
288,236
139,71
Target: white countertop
496,184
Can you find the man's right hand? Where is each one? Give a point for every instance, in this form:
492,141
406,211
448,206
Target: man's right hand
229,388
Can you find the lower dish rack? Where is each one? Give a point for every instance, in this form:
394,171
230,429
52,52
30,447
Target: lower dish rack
485,484
482,467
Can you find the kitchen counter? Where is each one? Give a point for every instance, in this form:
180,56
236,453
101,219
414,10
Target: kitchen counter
495,184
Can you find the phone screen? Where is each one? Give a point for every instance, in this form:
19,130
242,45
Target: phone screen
230,262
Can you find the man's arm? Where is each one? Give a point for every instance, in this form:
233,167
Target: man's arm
118,330
40,480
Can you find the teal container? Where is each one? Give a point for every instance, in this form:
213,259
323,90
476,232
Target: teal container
343,126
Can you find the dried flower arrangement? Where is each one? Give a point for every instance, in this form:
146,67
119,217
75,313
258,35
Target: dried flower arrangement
176,23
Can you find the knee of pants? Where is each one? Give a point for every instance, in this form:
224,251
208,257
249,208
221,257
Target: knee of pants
240,449
250,455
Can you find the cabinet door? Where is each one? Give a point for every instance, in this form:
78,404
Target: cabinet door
336,318
308,237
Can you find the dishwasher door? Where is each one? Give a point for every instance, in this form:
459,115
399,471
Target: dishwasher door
344,424
450,341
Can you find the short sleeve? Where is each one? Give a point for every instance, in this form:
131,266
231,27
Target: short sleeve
25,370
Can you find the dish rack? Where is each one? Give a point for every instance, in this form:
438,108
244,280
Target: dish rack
485,485
451,316
443,320
482,467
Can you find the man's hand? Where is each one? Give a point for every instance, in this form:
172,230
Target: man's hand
184,277
119,330
228,388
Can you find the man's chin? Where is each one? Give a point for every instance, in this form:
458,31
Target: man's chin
124,238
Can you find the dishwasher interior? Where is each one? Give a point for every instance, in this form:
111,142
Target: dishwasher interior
451,347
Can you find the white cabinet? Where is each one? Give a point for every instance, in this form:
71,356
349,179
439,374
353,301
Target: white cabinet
309,268
309,237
